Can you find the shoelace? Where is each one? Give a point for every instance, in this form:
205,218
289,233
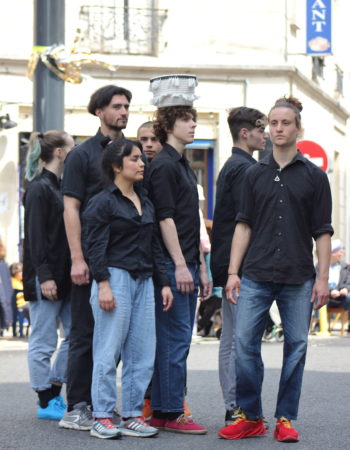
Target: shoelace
184,419
107,422
287,423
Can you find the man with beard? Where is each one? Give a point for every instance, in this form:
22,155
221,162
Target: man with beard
82,179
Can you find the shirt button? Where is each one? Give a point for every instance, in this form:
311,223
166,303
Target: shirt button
280,217
282,185
279,234
281,201
278,249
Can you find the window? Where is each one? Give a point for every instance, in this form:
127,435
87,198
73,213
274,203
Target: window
317,67
122,29
339,80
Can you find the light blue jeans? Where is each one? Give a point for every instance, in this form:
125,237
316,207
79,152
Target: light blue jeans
128,331
43,341
227,353
253,307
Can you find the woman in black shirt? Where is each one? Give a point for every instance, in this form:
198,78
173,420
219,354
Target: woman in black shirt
124,253
46,268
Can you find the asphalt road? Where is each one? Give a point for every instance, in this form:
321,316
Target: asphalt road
323,419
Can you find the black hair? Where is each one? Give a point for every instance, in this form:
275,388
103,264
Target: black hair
103,96
244,117
113,156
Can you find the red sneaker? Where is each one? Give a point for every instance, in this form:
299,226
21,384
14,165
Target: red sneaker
158,423
147,410
242,428
284,431
184,424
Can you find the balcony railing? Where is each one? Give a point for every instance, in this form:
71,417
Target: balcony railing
135,31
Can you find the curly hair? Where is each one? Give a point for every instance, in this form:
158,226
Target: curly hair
292,103
166,117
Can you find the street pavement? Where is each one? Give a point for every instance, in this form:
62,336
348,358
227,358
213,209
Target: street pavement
323,419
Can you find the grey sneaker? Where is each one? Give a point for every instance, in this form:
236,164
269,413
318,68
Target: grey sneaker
137,427
80,418
104,429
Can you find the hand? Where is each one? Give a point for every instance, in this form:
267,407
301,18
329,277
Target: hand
49,289
106,298
80,272
184,280
335,293
167,297
344,291
320,292
206,286
233,284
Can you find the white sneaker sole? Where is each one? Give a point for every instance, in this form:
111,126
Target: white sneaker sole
126,432
73,426
93,433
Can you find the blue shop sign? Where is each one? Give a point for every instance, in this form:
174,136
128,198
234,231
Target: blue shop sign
318,27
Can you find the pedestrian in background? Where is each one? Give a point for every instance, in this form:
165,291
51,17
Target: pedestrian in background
149,141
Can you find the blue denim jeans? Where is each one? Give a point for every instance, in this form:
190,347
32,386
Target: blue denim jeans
174,335
43,341
227,353
127,332
253,307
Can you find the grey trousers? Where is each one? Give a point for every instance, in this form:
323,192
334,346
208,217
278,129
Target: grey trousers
227,353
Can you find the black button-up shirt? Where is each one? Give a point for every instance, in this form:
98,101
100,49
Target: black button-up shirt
82,176
228,194
45,253
285,209
172,187
117,236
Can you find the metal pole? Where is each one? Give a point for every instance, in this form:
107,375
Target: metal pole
48,95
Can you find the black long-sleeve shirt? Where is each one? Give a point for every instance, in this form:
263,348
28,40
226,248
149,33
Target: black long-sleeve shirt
117,236
228,194
285,209
172,187
46,253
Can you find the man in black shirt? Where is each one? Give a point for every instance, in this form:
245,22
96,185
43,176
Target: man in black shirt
173,190
82,179
247,127
286,202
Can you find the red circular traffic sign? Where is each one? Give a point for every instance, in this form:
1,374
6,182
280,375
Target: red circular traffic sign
315,153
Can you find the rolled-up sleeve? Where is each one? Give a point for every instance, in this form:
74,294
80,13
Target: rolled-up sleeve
75,175
246,204
322,207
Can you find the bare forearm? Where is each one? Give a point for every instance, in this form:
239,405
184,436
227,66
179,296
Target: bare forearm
171,241
73,231
323,250
240,242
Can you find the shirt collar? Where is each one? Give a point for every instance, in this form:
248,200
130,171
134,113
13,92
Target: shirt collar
269,160
53,177
140,191
172,152
239,151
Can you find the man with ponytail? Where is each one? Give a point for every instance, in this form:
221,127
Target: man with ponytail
286,203
82,179
46,269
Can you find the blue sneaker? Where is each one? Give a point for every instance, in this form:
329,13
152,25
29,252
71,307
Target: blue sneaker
53,411
61,402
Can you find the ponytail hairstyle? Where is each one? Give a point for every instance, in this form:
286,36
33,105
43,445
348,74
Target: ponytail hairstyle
41,148
113,156
291,103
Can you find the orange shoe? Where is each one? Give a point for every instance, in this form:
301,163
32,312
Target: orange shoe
147,411
242,428
187,410
284,431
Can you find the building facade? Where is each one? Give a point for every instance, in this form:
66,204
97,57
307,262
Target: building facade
243,53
